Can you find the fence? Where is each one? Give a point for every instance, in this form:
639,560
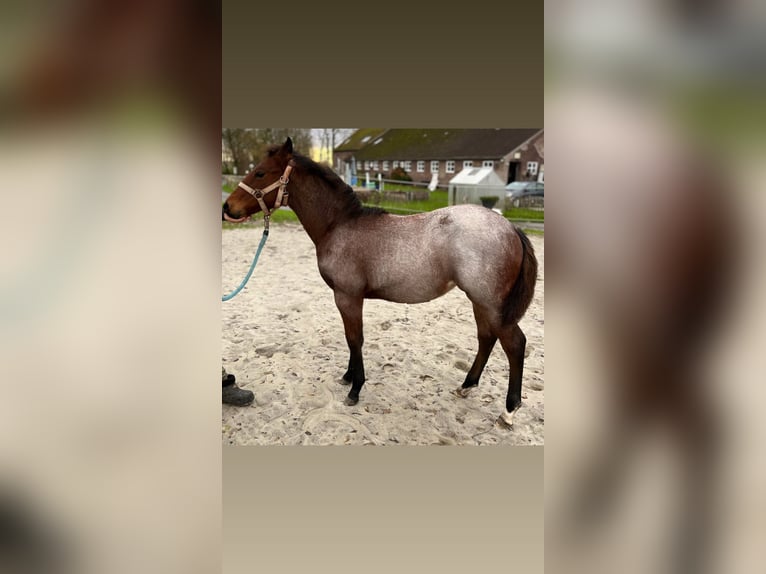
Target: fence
382,184
375,184
374,196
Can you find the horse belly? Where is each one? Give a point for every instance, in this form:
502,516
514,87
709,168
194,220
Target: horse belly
413,288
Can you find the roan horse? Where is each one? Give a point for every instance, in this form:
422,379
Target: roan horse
368,253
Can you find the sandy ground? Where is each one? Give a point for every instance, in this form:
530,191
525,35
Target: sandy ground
283,339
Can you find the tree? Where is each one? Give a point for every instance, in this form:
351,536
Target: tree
330,137
238,142
247,145
276,136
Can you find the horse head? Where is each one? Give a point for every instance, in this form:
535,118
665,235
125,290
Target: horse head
255,191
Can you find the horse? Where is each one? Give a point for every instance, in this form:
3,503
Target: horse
368,253
653,264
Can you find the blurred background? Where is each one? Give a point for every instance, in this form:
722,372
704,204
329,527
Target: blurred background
655,300
109,408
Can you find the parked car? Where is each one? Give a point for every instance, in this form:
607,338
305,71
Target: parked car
519,189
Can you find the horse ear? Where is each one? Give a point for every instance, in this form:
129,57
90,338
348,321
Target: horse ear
288,146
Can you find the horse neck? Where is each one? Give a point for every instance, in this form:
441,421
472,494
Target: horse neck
318,207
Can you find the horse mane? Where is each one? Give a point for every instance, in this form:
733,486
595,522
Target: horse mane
350,203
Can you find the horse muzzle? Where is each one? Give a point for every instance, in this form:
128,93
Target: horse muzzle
227,217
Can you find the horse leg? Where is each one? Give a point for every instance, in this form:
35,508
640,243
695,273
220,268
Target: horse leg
693,421
487,340
346,380
351,311
514,342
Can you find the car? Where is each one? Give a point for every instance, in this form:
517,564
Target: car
519,189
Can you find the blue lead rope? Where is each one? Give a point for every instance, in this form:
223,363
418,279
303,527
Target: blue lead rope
252,267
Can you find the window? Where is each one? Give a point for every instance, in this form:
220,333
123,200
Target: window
396,164
435,166
366,165
385,166
532,167
488,163
407,166
375,165
467,163
450,167
421,166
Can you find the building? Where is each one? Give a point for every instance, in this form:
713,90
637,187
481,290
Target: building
513,154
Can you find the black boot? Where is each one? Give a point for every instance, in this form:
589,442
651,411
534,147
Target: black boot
232,394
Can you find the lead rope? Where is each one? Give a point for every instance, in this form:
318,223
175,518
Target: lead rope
264,237
281,200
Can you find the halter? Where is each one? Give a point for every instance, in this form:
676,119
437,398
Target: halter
258,194
282,194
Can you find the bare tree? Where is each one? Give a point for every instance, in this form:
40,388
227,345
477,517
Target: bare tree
301,137
330,137
246,145
238,142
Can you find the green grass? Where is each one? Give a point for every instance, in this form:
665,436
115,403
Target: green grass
524,213
284,216
279,216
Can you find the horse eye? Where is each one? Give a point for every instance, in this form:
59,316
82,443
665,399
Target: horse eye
259,174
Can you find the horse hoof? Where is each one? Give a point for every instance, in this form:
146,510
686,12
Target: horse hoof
463,392
349,402
505,420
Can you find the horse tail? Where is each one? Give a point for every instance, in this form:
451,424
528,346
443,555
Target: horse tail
523,290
